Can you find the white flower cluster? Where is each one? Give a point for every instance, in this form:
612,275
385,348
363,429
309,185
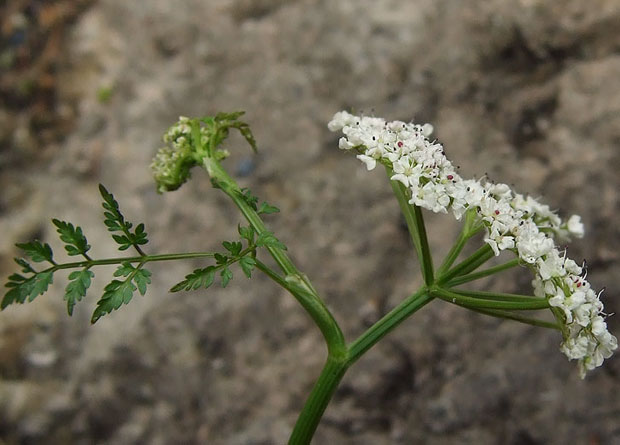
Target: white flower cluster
512,221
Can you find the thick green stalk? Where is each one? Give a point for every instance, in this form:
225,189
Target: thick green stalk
317,401
314,306
387,323
335,369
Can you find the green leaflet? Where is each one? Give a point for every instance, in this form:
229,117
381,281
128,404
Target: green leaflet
74,239
233,247
203,278
199,278
22,288
77,287
119,292
266,209
115,222
247,264
246,233
226,276
252,201
37,251
268,239
249,198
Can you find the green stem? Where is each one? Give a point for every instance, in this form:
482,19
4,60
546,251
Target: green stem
478,258
314,306
387,323
222,180
317,401
516,317
403,202
471,302
415,224
466,233
427,259
500,296
335,369
134,259
483,273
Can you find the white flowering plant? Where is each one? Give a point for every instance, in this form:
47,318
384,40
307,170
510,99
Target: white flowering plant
421,177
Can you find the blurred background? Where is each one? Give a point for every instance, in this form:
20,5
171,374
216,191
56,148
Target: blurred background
525,91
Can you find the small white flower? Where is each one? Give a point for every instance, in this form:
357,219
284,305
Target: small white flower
427,130
551,266
500,191
406,171
532,244
340,120
370,162
344,144
575,226
575,348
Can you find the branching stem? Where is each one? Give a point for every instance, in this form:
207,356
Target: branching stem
134,259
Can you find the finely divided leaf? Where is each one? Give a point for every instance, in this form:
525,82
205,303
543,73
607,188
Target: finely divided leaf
77,287
266,208
249,198
220,259
139,234
119,292
197,279
247,263
268,239
246,233
114,219
39,284
115,222
115,294
123,242
142,278
233,247
124,270
226,276
37,251
25,265
75,241
22,288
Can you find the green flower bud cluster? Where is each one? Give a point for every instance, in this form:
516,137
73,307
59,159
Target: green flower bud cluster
172,163
189,141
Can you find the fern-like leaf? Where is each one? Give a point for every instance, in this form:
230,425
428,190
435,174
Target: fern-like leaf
75,241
